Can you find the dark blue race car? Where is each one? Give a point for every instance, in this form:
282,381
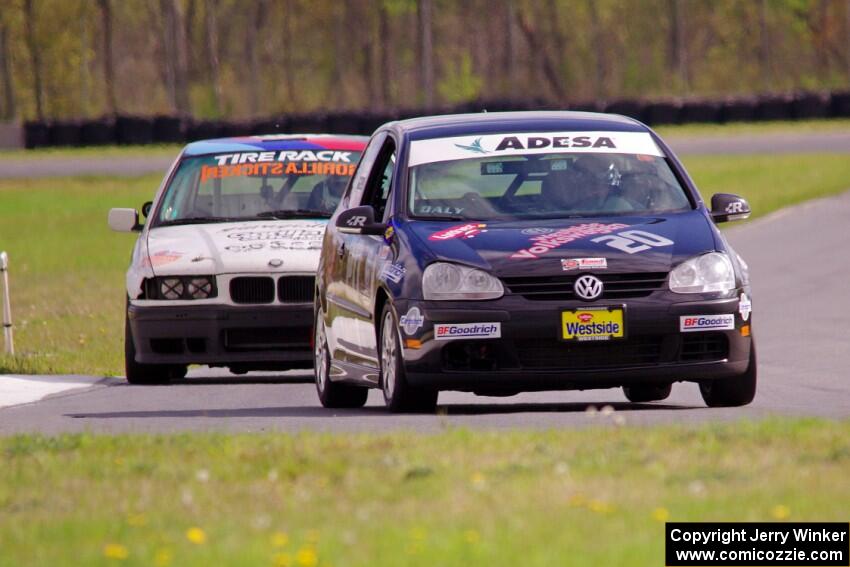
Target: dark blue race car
507,252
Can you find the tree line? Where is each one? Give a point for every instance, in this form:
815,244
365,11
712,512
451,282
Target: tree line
241,59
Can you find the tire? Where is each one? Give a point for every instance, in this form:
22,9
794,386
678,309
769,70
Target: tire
399,396
332,394
647,392
146,374
732,392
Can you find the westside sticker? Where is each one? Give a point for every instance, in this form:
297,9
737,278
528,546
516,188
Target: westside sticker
447,331
546,242
469,230
411,321
745,307
723,322
584,264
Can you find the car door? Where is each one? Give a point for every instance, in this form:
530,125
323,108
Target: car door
339,265
360,261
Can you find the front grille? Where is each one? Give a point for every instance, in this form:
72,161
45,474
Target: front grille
557,288
296,289
268,338
252,290
698,347
540,354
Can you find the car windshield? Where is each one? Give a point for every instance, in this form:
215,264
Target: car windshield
545,185
231,187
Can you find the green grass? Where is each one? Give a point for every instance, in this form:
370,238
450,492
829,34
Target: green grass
152,150
67,268
756,128
596,496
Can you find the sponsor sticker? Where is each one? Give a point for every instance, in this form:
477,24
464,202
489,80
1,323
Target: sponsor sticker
723,322
411,321
468,230
544,243
276,169
537,231
463,147
163,257
447,331
392,273
593,324
584,264
241,158
745,307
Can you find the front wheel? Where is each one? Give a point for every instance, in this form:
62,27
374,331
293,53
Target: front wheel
146,374
399,396
332,394
732,392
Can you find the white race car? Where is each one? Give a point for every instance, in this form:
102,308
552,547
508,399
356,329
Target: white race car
223,271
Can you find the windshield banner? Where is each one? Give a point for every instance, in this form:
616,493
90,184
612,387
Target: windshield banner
498,145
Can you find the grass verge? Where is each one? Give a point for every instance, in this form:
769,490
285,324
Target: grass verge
151,150
67,267
598,496
757,128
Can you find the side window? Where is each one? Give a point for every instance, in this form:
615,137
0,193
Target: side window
358,181
380,181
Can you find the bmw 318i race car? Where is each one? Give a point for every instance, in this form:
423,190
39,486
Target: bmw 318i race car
500,253
223,270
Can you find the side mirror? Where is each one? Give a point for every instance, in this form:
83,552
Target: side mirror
146,209
359,220
124,220
727,207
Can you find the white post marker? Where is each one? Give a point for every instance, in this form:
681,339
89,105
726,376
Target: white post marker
7,305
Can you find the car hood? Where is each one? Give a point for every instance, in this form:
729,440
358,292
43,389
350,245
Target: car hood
222,248
537,248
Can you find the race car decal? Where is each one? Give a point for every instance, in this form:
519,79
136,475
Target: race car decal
584,264
392,273
745,307
545,242
278,233
446,331
412,321
469,230
276,169
690,323
283,155
634,241
447,149
162,257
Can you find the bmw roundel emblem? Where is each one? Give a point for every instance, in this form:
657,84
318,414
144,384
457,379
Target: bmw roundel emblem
588,287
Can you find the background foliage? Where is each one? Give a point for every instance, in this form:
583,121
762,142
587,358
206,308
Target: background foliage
241,59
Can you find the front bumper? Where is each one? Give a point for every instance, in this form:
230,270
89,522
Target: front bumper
530,354
255,337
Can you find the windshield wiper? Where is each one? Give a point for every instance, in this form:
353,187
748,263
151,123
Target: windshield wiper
293,213
198,220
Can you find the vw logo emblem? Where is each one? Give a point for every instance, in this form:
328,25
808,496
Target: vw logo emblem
588,287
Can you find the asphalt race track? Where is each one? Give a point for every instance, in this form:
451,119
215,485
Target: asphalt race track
798,262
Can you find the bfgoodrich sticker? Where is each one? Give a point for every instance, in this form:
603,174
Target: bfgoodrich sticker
688,323
446,331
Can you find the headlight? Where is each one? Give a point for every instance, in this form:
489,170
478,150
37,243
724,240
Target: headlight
703,274
452,281
171,288
181,287
200,288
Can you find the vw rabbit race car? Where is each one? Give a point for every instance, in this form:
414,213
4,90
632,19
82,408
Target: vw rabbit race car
507,252
224,267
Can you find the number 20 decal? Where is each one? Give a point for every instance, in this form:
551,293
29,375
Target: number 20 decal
633,241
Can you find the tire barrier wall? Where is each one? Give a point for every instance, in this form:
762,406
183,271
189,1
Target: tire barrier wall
128,130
